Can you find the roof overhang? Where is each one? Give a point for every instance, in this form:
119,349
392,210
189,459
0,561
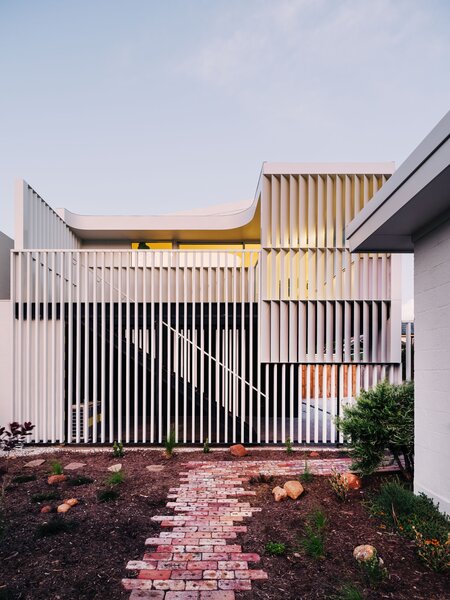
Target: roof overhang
414,200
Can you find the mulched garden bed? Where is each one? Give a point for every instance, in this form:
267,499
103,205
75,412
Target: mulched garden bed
88,561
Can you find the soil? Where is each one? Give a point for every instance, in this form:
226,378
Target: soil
88,561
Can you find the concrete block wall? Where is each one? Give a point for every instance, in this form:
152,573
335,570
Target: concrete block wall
432,365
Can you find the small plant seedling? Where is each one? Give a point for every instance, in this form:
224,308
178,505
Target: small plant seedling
170,443
261,478
306,476
57,468
373,570
206,448
115,478
79,480
48,496
275,548
313,542
347,592
339,485
288,445
24,478
55,526
107,495
118,451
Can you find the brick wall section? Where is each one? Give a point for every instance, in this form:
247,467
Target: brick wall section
432,364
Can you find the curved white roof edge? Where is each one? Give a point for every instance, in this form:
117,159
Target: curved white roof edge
330,168
228,208
147,223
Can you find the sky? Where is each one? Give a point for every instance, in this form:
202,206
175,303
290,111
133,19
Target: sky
145,106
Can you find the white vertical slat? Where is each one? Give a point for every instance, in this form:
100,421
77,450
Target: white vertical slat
325,415
210,351
78,352
86,347
300,405
356,331
193,347
275,404
234,349
308,404
283,403
347,331
103,352
218,346
160,347
316,403
127,348
119,343
70,344
202,346
62,349
44,366
267,405
251,299
225,373
185,316
145,348
178,342
333,402
408,350
136,346
242,347
168,329
341,396
152,347
291,402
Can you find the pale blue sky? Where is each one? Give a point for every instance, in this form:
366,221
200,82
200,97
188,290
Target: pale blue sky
145,107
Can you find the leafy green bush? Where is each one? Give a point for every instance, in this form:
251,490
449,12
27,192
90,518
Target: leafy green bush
79,480
115,478
288,445
275,548
373,570
206,447
170,443
15,436
418,518
347,592
339,485
382,419
47,496
118,451
24,478
107,495
57,468
307,476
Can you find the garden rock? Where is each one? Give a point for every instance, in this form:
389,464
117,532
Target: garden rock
364,553
74,466
46,509
115,468
293,489
314,454
154,468
63,508
54,479
238,450
71,502
35,463
279,493
354,482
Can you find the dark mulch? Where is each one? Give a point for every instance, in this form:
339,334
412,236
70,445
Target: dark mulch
88,561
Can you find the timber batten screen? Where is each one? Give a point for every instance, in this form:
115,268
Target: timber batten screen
238,345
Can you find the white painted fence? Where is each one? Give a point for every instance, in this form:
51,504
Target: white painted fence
126,345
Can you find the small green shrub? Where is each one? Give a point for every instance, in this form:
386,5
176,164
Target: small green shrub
288,445
15,436
79,480
382,419
418,518
24,478
206,448
118,451
275,548
57,468
45,497
347,592
306,476
313,542
55,526
339,485
373,570
115,478
107,495
170,442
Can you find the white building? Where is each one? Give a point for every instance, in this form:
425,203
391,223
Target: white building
250,322
411,213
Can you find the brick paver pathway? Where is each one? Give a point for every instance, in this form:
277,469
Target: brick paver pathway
196,556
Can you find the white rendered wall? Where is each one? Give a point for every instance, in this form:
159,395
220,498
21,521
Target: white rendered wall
6,363
432,365
6,244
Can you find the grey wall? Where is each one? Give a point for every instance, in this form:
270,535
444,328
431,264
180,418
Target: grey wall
432,365
6,244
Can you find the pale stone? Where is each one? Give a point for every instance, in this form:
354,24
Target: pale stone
71,501
63,508
56,479
238,450
35,463
279,493
293,488
115,468
74,466
155,468
364,552
353,481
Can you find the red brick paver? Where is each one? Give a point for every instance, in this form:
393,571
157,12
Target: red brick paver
195,556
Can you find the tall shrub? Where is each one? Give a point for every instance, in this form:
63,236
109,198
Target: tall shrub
382,419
